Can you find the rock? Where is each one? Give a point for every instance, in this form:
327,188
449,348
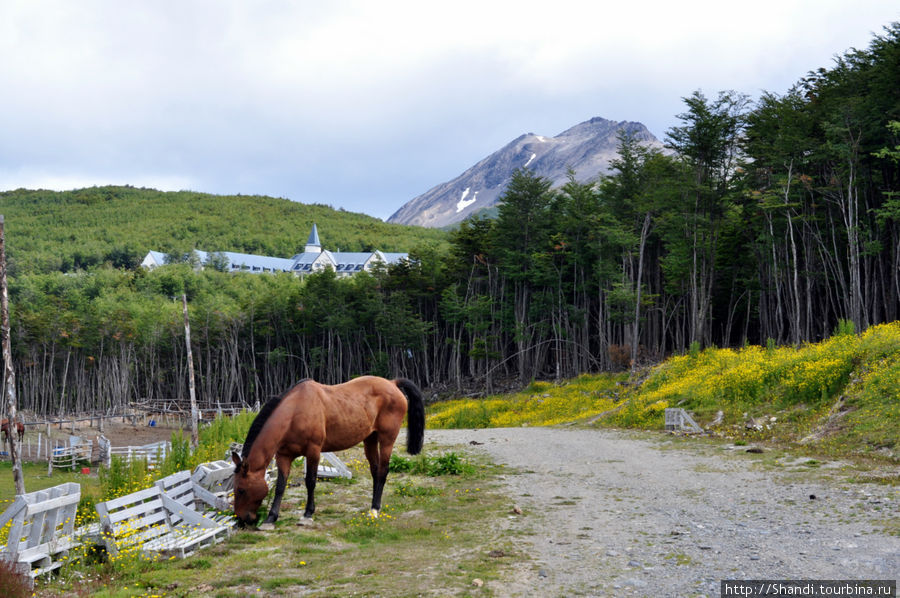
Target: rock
635,583
633,564
542,573
477,582
517,509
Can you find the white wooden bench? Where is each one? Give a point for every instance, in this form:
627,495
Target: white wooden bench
42,529
330,466
183,489
157,523
215,476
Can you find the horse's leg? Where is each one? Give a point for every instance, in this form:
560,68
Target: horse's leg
284,471
370,445
379,463
312,472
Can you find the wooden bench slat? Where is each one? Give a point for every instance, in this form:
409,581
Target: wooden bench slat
41,532
156,521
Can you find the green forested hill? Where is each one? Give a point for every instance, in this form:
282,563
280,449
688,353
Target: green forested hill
64,231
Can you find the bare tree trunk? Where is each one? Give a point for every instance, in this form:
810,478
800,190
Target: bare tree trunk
195,416
645,231
10,377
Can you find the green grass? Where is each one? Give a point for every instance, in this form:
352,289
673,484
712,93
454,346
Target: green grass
445,505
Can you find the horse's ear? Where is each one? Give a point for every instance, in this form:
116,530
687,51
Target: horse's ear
236,458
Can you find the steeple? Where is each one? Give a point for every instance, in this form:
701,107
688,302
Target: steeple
312,244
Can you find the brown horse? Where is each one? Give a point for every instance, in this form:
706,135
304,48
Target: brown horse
312,418
4,427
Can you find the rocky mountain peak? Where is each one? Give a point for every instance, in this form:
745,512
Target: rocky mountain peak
587,148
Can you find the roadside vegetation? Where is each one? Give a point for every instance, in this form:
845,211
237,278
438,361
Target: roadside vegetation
436,503
840,396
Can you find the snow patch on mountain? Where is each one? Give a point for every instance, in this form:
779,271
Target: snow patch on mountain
462,204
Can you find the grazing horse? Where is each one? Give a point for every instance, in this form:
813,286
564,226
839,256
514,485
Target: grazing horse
312,418
4,427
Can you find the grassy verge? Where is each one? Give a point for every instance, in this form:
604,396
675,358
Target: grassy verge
840,397
438,529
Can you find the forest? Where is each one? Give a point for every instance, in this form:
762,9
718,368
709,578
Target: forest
772,221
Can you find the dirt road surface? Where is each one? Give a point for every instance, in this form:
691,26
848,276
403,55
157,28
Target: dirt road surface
610,513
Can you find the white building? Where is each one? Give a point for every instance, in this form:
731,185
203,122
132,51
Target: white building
313,259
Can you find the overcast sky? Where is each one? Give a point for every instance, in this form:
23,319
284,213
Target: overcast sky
365,105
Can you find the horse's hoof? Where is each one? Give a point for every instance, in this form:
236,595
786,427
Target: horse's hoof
266,526
373,513
306,521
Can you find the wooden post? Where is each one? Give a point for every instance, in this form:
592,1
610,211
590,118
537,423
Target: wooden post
10,372
195,435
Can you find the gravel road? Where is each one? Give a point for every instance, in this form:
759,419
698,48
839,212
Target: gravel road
611,513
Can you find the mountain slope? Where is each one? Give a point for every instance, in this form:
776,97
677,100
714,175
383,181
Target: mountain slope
586,148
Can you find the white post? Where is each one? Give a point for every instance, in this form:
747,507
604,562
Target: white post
10,378
195,438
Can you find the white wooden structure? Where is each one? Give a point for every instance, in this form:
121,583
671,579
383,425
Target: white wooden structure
151,453
157,523
678,419
68,457
215,476
42,529
182,487
330,466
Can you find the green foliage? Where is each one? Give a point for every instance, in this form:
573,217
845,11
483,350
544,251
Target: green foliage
410,490
540,404
445,464
800,385
844,327
116,226
449,464
179,456
124,477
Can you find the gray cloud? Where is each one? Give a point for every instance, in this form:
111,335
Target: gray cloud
365,105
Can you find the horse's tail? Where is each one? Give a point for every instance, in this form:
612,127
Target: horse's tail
415,415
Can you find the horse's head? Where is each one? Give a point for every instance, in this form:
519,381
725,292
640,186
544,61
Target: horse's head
250,489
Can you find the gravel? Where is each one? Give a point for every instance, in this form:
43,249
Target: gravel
613,513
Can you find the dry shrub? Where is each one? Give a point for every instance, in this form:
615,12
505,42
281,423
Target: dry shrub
14,583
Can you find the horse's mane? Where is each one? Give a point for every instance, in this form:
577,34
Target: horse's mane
263,416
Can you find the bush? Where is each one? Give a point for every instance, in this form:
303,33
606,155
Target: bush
447,464
14,584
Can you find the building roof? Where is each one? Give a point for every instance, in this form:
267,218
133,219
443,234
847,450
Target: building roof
314,236
343,263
